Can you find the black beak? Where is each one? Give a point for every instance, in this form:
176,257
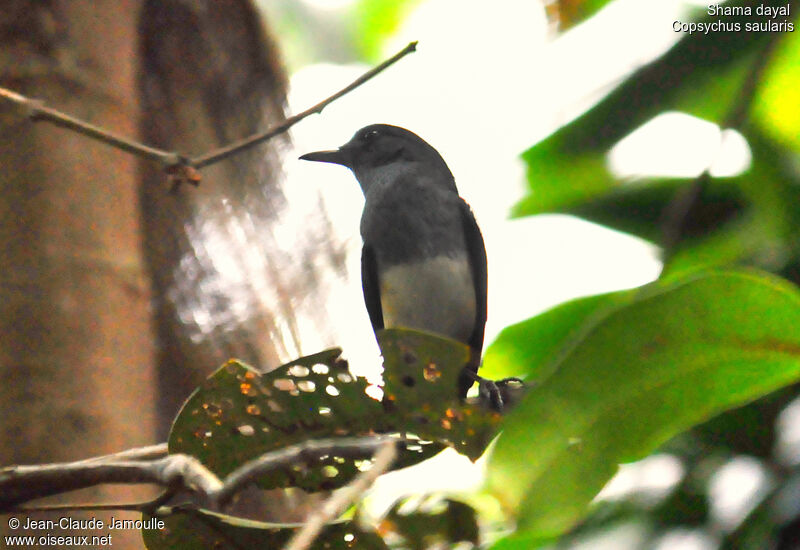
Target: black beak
338,156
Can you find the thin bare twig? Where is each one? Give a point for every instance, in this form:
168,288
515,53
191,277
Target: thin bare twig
150,452
181,168
36,110
19,484
239,146
335,505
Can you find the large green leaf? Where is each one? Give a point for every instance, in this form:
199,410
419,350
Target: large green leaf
676,355
531,348
639,208
775,107
240,413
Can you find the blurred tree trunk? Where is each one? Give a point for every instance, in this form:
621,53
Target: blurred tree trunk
209,77
76,346
225,285
117,297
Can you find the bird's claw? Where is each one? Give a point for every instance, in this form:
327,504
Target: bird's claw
495,392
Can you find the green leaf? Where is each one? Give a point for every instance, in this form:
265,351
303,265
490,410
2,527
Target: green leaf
676,355
532,347
440,524
523,541
560,179
775,106
240,414
421,373
639,208
569,13
377,20
197,529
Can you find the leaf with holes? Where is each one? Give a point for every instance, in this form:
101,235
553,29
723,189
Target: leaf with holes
239,414
421,379
192,529
438,524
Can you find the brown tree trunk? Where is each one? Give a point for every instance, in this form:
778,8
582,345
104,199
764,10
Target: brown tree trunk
76,344
225,284
209,77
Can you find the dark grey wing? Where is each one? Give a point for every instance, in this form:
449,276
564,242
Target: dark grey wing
476,252
371,287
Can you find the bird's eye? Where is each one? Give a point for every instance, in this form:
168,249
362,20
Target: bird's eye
369,135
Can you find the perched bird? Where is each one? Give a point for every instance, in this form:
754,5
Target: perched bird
423,263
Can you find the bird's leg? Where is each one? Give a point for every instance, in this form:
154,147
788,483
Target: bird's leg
492,390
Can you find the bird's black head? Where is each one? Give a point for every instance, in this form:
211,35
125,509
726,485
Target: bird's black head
381,151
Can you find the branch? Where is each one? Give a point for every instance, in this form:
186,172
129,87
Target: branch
37,111
335,505
19,484
179,167
151,452
246,143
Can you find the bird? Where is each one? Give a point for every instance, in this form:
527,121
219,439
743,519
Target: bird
423,260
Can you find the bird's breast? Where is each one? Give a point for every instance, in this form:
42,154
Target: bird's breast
407,220
436,295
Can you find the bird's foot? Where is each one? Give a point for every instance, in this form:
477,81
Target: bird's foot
497,393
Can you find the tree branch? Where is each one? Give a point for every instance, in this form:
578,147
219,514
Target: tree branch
239,146
151,452
37,111
181,168
19,484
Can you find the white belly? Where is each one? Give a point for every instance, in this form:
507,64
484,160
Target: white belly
436,295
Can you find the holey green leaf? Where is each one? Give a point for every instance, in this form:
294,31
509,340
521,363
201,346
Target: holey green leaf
644,371
239,413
